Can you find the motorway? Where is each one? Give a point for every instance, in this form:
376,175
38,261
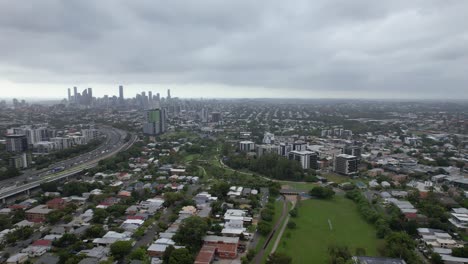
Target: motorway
114,143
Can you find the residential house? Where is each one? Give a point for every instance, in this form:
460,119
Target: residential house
38,214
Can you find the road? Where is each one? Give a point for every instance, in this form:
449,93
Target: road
114,144
113,139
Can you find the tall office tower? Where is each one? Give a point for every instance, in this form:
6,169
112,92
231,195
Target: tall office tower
155,122
204,115
168,93
346,164
84,97
121,94
158,97
144,100
16,143
75,94
150,95
90,92
69,95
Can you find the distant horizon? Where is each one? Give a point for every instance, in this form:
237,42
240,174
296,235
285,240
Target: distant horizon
35,99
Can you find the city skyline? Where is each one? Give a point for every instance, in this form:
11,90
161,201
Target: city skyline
238,49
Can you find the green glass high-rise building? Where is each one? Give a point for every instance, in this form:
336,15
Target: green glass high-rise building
155,121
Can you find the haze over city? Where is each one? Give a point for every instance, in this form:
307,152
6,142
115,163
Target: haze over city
304,49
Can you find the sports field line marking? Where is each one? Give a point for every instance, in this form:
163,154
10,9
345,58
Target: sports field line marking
330,225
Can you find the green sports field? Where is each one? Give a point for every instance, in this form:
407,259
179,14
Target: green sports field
308,243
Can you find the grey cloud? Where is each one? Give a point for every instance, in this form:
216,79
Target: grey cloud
366,46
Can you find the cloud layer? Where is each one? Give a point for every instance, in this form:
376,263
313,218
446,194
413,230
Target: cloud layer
363,48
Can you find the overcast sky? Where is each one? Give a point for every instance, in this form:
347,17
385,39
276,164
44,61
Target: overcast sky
240,48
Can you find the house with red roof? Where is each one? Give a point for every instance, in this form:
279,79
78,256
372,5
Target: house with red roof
56,203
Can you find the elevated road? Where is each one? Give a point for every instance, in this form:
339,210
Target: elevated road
114,144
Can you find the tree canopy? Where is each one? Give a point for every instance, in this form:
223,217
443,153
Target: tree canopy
120,249
322,192
191,232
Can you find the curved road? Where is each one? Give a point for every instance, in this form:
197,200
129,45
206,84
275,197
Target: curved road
115,142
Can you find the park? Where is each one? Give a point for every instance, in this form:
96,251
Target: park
323,223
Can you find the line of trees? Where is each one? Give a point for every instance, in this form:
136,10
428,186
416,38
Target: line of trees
270,165
398,243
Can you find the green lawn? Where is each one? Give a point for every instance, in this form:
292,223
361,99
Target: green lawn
305,186
308,243
191,157
337,178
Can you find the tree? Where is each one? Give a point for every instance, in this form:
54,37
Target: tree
401,245
181,256
120,249
66,240
436,259
460,252
322,192
171,198
138,254
191,232
293,212
279,258
54,216
5,222
339,254
264,228
99,215
49,186
94,231
291,225
167,254
220,189
267,214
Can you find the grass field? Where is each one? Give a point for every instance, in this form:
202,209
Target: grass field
337,178
305,186
308,243
191,157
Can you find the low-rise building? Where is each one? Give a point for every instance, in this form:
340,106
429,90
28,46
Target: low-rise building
38,214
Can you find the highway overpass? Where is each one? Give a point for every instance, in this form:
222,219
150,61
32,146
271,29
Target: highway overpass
71,171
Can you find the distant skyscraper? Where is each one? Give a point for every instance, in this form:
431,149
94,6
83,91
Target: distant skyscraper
75,94
158,97
90,92
168,93
204,115
121,94
155,122
69,95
